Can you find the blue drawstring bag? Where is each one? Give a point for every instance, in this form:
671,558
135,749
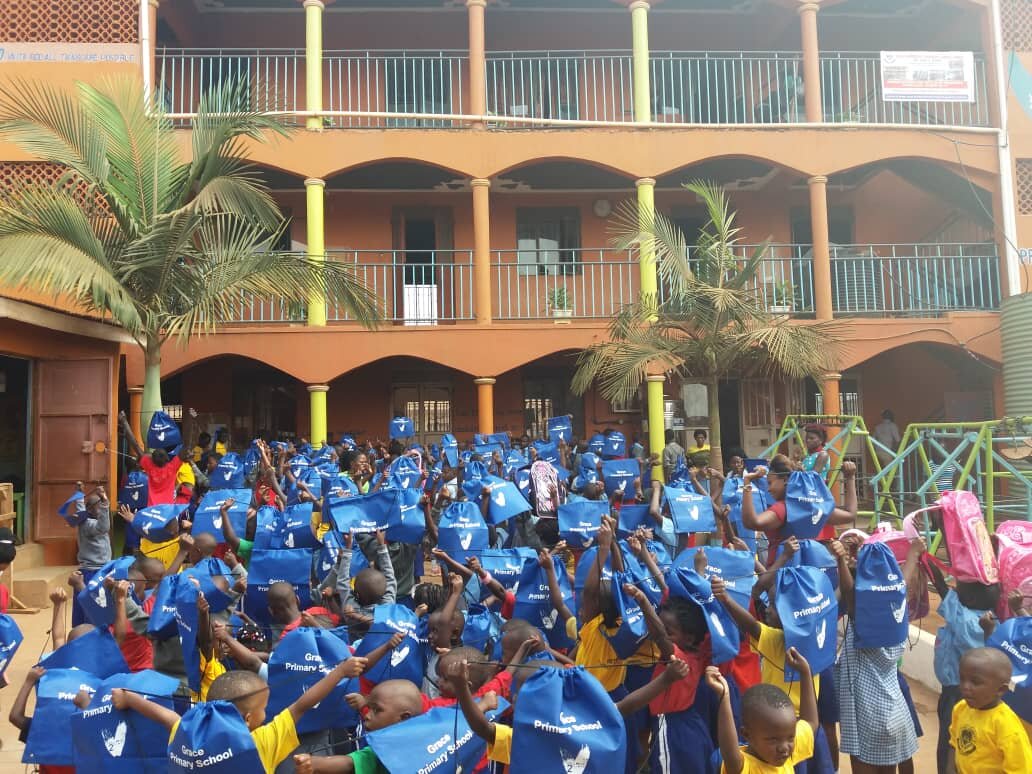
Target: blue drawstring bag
813,553
534,603
213,737
292,565
580,574
401,427
208,516
134,492
560,429
474,477
406,522
614,446
405,472
619,477
154,521
564,721
522,480
405,662
500,438
724,637
49,743
205,571
329,554
513,461
368,513
298,465
638,574
806,604
186,623
633,517
267,528
10,640
163,432
446,743
487,450
690,511
505,502
96,603
97,648
506,564
251,459
880,602
549,452
295,528
580,521
631,633
597,444
462,532
162,623
1014,638
300,660
808,504
483,629
736,568
228,474
73,510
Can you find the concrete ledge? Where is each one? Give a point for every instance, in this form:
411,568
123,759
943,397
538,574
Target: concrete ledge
918,661
33,586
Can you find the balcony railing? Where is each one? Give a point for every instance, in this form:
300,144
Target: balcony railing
687,87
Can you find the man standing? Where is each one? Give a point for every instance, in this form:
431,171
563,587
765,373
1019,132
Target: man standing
672,454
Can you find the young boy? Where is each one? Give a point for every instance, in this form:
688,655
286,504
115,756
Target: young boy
250,695
94,542
372,586
775,740
985,733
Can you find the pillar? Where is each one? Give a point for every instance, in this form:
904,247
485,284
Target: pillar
482,250
821,246
656,426
831,389
135,410
317,401
313,62
640,46
811,63
477,60
485,404
315,195
647,250
148,38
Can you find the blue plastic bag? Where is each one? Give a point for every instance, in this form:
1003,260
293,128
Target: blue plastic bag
446,743
808,504
560,429
462,532
406,521
483,629
806,604
619,477
724,636
690,511
154,522
292,565
300,660
880,602
813,553
49,742
97,649
505,502
736,568
163,432
405,662
631,633
208,516
96,603
564,721
10,640
134,491
534,603
632,517
213,737
162,623
579,522
228,474
401,427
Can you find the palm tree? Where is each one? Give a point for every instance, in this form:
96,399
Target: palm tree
711,323
160,244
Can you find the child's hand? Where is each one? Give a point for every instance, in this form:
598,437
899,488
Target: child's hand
303,764
455,583
109,583
474,564
82,700
738,544
229,503
121,591
558,548
634,543
58,596
381,537
202,603
76,582
716,681
988,622
791,547
308,620
488,702
605,535
396,639
635,593
34,675
754,474
185,542
356,701
101,493
421,610
545,560
240,587
718,587
231,559
700,561
1016,601
458,671
120,698
220,631
125,513
918,547
675,670
354,666
848,470
837,549
796,660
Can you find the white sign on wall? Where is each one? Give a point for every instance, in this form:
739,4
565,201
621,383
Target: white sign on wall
69,53
928,76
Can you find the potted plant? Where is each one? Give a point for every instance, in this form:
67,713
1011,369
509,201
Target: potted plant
779,300
559,301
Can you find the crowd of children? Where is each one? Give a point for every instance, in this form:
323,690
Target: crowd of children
535,606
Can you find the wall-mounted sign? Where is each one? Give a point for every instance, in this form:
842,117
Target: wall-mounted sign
928,76
69,53
1025,254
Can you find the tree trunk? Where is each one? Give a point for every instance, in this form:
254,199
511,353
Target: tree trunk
713,399
151,384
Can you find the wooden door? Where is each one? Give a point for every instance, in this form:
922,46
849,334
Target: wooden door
72,414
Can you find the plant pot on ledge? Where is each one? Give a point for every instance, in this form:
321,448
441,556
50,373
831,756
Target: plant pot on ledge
561,305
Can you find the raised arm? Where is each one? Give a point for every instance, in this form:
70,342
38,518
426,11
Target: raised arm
128,700
59,598
846,515
640,698
807,695
241,655
17,715
766,579
486,579
847,599
546,562
130,436
478,722
657,631
383,560
765,520
121,624
352,667
727,733
101,524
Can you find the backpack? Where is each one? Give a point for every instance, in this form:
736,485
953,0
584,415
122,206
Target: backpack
806,604
543,477
972,559
462,531
1015,540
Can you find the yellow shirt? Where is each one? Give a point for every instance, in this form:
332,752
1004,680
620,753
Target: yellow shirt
501,750
989,740
163,552
197,452
210,669
274,741
771,647
593,649
220,448
802,751
185,476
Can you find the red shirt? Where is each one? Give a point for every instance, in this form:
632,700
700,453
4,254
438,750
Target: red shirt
775,538
136,648
161,481
508,605
501,684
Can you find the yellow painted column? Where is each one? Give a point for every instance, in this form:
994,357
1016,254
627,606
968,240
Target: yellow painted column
317,401
477,60
811,63
821,246
640,44
313,62
482,250
315,196
647,249
656,425
485,404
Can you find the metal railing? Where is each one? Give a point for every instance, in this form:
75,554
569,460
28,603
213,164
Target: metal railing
427,82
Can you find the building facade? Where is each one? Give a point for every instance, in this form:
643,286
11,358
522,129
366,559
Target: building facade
466,156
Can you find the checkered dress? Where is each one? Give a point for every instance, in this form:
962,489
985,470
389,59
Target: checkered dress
876,725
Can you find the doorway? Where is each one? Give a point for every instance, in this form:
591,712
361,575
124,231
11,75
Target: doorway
423,265
14,425
428,405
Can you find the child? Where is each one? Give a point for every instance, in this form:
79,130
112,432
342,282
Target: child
94,543
775,740
372,586
444,632
276,740
984,732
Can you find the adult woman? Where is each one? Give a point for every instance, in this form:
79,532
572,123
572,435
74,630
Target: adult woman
816,459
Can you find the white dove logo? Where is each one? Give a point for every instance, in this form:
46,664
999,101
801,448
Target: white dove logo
576,765
694,513
548,621
822,632
114,743
524,484
718,627
466,541
816,518
161,436
499,499
228,474
399,655
101,599
898,613
326,566
217,522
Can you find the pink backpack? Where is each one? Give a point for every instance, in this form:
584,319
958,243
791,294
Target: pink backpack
972,558
1015,561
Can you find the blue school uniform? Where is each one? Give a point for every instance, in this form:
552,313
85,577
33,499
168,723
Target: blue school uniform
687,740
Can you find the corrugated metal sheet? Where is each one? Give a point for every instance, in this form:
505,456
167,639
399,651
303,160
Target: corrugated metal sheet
1016,331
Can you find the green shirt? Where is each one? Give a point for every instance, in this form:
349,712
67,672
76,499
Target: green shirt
366,762
243,551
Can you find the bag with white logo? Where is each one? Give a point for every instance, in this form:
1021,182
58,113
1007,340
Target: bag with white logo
295,528
564,721
292,565
506,564
154,522
439,741
506,502
736,568
49,742
162,623
134,492
1014,638
580,521
813,553
406,521
690,511
588,558
208,516
619,477
806,604
632,631
405,662
163,432
615,446
724,636
213,737
402,427
462,531
228,474
808,504
186,623
97,604
534,603
639,575
632,517
97,649
597,444
300,660
560,429
10,640
364,514
880,618
483,629
329,553
406,471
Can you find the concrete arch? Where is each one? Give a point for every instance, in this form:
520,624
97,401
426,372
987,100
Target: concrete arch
975,333
584,161
393,160
777,164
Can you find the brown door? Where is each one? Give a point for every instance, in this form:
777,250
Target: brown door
72,414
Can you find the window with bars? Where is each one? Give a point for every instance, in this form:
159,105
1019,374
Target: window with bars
431,416
174,412
537,411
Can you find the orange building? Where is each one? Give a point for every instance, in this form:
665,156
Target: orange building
465,156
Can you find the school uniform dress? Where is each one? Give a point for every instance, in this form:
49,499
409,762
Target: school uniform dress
875,722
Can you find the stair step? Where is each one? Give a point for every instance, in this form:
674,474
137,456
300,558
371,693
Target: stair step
33,585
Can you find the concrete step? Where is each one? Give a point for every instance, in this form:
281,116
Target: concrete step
33,585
